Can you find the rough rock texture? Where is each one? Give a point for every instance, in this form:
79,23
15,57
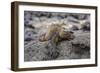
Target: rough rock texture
79,48
35,24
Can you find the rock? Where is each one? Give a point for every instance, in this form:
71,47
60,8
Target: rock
74,28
